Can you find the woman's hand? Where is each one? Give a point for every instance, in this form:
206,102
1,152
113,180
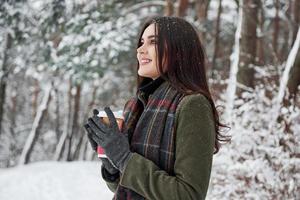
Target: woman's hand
111,139
105,162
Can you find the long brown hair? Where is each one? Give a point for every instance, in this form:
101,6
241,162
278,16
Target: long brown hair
181,61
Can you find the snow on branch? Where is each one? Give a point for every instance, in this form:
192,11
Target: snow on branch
284,79
232,82
35,126
289,63
60,145
143,5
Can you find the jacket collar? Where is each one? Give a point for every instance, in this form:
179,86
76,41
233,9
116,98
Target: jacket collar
149,87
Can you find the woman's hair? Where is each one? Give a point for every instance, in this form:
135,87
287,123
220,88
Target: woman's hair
181,61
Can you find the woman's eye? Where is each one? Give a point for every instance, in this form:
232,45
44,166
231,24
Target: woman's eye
149,42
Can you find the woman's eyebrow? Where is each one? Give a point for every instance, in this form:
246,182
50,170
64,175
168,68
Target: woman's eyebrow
150,37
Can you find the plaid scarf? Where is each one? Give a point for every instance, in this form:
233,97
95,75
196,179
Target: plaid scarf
151,130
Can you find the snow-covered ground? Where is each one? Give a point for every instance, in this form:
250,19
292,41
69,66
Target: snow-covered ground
54,181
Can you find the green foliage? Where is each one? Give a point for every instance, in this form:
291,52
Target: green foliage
13,19
91,40
83,42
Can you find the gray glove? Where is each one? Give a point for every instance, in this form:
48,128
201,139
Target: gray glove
111,139
105,162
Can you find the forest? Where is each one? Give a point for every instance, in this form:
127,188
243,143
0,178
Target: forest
59,59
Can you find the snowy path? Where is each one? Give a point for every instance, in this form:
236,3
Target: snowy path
54,181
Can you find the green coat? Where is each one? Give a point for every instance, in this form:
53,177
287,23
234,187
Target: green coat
195,138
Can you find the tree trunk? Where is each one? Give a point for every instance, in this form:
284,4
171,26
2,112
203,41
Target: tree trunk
182,7
69,135
286,35
64,140
202,9
232,81
13,112
35,97
247,54
13,144
80,145
57,114
217,38
294,78
74,131
82,153
37,123
296,18
260,54
276,28
169,9
3,78
283,98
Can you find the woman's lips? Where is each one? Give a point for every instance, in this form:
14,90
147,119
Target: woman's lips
145,61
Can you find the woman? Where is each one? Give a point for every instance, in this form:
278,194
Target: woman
172,126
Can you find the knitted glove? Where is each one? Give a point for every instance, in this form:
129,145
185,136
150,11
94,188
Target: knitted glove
111,139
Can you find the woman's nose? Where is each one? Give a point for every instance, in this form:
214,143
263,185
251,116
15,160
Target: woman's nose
141,49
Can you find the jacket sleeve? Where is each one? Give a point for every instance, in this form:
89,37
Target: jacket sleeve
195,135
112,180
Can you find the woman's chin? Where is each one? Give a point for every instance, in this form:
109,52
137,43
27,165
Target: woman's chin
146,74
143,74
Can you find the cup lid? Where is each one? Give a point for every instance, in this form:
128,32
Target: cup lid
117,114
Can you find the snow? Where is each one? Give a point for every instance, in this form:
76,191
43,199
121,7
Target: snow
289,64
284,79
79,180
142,5
229,13
231,89
259,163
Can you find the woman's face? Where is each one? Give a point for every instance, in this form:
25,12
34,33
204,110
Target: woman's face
146,54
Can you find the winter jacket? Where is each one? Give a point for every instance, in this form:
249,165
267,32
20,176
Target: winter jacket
195,138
